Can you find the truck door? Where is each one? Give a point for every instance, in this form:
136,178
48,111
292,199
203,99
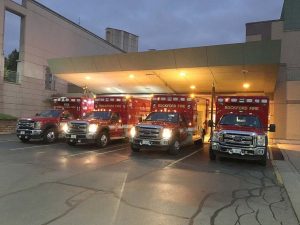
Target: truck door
183,130
116,129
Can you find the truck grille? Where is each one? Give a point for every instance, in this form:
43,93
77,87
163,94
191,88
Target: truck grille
149,132
243,140
77,128
26,124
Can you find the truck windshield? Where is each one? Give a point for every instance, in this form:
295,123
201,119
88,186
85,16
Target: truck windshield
98,115
241,120
50,114
163,116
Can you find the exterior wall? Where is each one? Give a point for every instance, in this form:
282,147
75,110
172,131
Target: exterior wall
44,35
291,58
1,53
122,39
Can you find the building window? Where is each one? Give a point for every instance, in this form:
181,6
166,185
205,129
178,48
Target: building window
49,79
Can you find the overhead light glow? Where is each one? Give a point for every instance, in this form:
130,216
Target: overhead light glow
182,74
193,87
87,78
192,95
131,76
246,85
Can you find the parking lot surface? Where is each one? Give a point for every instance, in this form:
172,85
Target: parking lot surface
60,184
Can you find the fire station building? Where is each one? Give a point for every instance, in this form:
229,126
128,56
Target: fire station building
268,63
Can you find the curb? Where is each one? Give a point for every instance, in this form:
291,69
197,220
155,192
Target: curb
288,178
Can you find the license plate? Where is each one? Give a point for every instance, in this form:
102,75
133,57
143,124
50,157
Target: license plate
73,136
145,142
22,132
236,150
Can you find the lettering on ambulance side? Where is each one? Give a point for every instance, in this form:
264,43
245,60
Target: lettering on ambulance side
170,106
109,106
233,107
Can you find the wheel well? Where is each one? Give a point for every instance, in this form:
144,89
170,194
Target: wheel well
50,126
105,129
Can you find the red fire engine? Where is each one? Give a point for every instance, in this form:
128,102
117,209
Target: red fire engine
241,128
77,106
111,119
176,120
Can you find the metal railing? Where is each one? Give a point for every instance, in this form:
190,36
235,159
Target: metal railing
11,76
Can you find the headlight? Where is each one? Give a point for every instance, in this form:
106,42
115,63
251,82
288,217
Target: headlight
217,137
65,128
37,125
167,133
93,128
132,132
261,140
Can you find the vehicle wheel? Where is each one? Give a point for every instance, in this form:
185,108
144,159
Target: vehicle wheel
134,149
212,155
50,136
24,140
175,147
198,142
102,140
263,162
71,143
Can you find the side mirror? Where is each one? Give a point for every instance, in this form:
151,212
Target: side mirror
210,123
272,128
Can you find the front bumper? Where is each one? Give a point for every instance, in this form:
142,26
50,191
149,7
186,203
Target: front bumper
29,134
150,143
81,138
251,153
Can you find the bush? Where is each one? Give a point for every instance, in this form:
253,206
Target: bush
7,117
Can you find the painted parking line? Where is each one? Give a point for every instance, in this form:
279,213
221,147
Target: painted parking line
103,153
29,147
181,159
2,141
96,150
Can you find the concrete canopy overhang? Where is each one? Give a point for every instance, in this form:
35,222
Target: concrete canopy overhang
175,71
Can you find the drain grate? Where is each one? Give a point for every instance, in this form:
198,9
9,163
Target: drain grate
277,154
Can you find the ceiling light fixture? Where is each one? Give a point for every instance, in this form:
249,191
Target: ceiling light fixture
87,78
182,74
246,85
193,87
131,76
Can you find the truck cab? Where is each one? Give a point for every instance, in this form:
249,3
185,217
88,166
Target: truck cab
241,129
47,125
163,130
96,127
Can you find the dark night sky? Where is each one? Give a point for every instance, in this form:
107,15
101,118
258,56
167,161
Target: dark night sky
164,24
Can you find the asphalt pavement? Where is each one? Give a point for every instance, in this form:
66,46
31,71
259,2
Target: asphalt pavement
60,184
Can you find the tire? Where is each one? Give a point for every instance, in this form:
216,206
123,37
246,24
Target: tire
71,143
263,161
198,142
212,155
134,149
50,136
25,140
175,147
102,139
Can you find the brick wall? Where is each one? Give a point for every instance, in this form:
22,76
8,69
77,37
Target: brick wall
7,126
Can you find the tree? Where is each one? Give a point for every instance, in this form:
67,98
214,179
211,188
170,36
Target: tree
11,62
